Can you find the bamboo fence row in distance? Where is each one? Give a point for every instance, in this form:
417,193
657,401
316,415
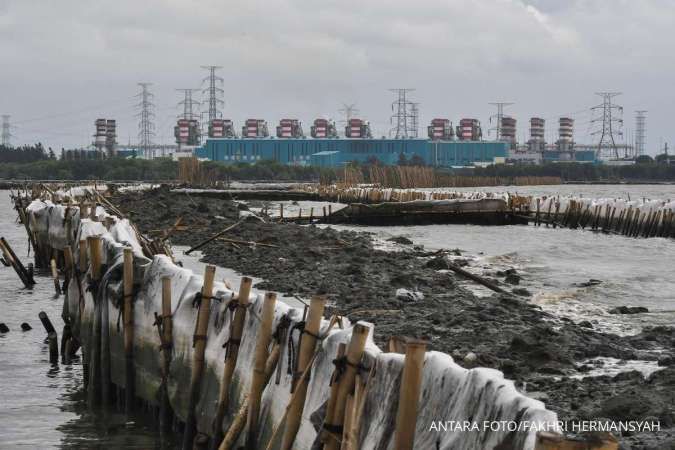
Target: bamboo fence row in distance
411,177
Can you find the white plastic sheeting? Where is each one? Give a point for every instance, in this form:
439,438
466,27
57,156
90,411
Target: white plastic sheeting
644,205
449,392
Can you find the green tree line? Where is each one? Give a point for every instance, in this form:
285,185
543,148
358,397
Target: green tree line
34,163
154,170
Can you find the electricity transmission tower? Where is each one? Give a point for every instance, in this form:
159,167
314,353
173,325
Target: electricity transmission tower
499,116
6,134
146,126
348,111
213,92
610,130
188,104
640,118
402,117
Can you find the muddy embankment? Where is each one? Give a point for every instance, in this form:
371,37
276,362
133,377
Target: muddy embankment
540,351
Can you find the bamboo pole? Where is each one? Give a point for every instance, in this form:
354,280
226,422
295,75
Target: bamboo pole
9,256
352,427
203,315
94,389
68,261
476,278
92,212
55,276
231,354
341,348
411,384
95,254
308,343
167,345
53,348
128,312
83,256
242,416
257,381
336,404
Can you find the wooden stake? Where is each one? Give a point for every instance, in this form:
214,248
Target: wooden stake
336,404
257,382
411,382
201,327
308,343
128,275
231,354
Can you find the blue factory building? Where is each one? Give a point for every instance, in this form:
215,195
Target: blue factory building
335,152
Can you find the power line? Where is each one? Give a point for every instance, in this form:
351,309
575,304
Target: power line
610,129
214,92
146,126
72,113
500,115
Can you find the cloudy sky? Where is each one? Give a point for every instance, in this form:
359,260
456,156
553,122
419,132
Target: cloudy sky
67,62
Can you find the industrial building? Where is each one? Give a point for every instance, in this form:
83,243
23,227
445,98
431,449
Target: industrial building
445,146
105,138
291,147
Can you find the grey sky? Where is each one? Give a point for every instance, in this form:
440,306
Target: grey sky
68,62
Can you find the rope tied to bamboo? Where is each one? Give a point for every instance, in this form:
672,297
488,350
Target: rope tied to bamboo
341,364
231,307
292,368
197,301
159,323
280,337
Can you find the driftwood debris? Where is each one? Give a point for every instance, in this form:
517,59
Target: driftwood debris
215,236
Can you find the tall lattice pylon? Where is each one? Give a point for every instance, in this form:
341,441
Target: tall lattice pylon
188,104
499,116
6,133
402,117
609,116
213,92
640,132
146,125
348,111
